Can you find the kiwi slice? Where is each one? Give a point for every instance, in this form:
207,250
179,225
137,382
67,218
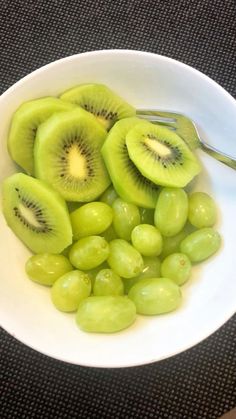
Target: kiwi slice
36,213
129,183
98,99
24,125
161,155
67,155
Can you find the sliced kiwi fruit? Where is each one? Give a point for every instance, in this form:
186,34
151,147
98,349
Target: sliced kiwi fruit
161,155
67,155
24,125
36,213
129,183
101,101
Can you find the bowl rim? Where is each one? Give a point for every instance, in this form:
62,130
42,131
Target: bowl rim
72,57
228,314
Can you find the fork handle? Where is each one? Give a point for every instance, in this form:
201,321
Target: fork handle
222,157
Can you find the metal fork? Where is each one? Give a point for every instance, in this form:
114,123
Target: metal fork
186,129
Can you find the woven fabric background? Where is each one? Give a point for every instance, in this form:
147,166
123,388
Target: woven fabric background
201,382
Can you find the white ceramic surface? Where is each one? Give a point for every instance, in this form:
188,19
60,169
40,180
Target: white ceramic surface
145,80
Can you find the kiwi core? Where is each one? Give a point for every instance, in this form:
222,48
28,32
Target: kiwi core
77,163
28,215
159,148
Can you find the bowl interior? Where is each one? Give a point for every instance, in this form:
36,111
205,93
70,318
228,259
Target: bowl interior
146,81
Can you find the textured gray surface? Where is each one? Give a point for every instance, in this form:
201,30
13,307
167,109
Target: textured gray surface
199,383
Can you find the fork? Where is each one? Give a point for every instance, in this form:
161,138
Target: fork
186,129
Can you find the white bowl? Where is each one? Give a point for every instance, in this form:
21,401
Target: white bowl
151,81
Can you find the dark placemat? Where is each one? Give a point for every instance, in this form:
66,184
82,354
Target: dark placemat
199,383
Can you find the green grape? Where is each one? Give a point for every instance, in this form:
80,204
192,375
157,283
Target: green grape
201,244
151,269
45,268
147,240
108,282
107,314
89,252
126,217
109,196
155,296
92,273
91,219
202,210
146,216
124,259
172,244
176,267
70,289
171,211
109,234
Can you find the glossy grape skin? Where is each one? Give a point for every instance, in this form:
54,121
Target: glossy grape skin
151,269
147,240
89,252
46,268
201,244
69,290
126,217
92,273
176,267
202,210
106,314
108,282
146,216
109,196
172,244
91,219
124,259
171,211
155,296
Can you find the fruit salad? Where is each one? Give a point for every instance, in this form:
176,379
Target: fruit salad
101,201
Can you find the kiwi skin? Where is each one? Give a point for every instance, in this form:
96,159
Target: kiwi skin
127,180
101,101
161,155
24,124
36,213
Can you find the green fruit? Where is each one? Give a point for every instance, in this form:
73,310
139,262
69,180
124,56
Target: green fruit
124,259
155,296
125,217
108,282
24,125
46,268
201,244
69,290
171,211
147,240
176,267
161,155
107,314
202,210
172,244
67,155
91,219
151,269
89,252
36,213
101,101
109,196
128,182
